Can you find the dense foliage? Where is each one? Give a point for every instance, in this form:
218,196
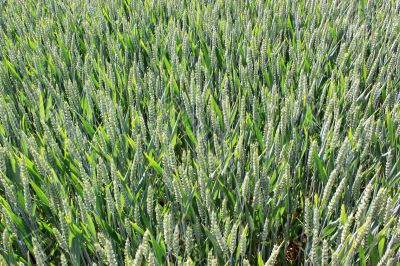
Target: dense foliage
199,132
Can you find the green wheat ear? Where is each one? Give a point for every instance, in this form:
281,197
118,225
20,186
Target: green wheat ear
274,254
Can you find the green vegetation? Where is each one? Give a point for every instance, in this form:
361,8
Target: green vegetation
199,132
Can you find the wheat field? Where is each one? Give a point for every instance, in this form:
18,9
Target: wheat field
184,132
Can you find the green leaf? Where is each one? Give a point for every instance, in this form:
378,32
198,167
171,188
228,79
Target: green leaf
131,142
381,245
156,166
42,114
16,219
216,108
90,225
189,131
308,118
159,250
361,253
137,228
11,67
343,217
231,197
260,261
329,229
39,192
389,125
71,237
211,237
167,64
321,169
